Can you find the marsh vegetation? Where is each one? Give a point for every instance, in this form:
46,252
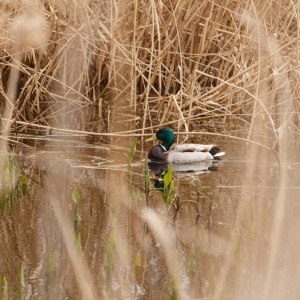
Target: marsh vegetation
84,216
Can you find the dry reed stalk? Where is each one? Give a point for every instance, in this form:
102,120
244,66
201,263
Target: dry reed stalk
150,76
190,96
254,97
178,106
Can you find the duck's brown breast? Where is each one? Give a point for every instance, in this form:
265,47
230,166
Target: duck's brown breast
158,153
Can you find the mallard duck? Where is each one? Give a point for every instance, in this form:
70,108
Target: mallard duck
180,153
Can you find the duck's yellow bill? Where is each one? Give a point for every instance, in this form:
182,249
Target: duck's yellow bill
153,138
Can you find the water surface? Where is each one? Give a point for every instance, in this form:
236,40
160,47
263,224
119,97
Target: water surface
219,241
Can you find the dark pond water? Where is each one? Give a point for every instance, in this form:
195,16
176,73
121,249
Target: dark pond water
231,232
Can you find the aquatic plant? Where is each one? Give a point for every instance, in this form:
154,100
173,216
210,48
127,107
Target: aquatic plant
110,261
78,242
145,186
76,199
110,247
168,194
131,155
11,178
51,269
176,280
198,188
192,265
138,264
24,184
22,281
22,275
4,290
212,277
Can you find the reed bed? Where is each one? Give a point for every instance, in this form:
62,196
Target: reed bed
194,66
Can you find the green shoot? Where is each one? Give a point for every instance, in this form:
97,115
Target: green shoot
192,265
78,242
76,198
169,190
137,264
4,295
51,270
24,184
22,275
109,263
176,276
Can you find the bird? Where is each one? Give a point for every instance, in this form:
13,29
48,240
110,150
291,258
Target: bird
179,153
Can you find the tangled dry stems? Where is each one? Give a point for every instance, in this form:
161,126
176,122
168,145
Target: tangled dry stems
191,65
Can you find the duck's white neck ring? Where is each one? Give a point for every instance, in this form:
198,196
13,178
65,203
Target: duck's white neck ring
163,147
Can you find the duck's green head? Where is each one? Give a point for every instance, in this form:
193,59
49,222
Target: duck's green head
165,135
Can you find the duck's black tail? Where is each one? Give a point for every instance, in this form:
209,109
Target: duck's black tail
215,152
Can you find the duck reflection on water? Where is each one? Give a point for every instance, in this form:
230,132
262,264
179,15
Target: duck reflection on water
180,170
184,170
